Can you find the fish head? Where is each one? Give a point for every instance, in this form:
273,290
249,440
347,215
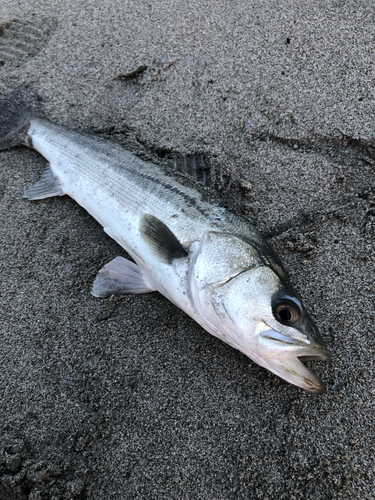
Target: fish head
253,307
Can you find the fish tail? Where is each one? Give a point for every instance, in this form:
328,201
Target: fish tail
16,111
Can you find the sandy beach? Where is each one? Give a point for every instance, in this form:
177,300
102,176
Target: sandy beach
127,397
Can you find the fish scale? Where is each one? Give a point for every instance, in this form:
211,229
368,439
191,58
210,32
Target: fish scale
122,178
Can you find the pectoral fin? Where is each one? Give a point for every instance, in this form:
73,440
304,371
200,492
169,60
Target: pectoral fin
161,239
46,186
118,277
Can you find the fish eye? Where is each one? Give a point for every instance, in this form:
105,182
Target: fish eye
287,312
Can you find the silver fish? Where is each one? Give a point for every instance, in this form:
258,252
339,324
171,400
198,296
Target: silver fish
206,260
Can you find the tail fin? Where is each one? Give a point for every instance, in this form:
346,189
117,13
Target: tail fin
16,110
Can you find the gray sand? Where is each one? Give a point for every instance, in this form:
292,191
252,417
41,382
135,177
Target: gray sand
127,398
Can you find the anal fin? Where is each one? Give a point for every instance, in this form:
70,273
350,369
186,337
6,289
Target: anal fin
46,186
118,277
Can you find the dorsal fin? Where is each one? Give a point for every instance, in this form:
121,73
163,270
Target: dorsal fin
161,239
195,165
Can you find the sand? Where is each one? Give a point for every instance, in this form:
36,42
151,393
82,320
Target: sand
128,398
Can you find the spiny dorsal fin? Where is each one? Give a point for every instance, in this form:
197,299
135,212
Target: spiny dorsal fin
46,186
161,239
118,277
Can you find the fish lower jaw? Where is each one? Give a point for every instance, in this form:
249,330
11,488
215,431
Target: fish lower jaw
287,362
295,372
312,382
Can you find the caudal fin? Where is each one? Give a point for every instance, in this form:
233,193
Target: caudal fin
16,110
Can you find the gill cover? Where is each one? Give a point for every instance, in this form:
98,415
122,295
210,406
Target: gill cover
219,258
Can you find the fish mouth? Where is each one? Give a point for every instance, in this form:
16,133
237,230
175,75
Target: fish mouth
293,370
285,357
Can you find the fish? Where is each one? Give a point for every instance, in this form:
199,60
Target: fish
208,261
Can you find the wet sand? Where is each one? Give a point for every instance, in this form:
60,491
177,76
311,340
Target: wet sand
127,397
